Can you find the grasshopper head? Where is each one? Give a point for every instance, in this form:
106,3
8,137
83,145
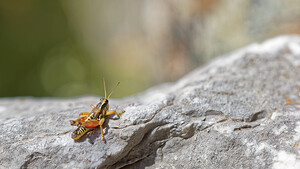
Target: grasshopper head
103,103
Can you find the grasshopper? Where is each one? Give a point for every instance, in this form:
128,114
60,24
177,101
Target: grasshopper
95,118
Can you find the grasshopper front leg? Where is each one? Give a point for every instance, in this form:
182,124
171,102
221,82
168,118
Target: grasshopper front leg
114,112
83,113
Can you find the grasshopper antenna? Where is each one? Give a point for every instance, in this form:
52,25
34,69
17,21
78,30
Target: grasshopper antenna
113,90
104,88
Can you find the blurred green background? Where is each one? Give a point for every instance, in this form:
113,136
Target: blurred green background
65,48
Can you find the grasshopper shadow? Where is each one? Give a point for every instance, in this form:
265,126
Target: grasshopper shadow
97,133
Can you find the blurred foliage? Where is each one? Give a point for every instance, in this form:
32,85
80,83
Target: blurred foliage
65,48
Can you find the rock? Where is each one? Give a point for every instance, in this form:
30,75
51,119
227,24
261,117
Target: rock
231,113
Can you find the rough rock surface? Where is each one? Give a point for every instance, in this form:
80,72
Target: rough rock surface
230,113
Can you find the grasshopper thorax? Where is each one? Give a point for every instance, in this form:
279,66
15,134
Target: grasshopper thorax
103,104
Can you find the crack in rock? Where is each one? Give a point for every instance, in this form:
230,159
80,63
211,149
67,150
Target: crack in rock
31,158
39,137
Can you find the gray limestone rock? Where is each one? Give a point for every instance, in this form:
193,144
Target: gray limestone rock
230,113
